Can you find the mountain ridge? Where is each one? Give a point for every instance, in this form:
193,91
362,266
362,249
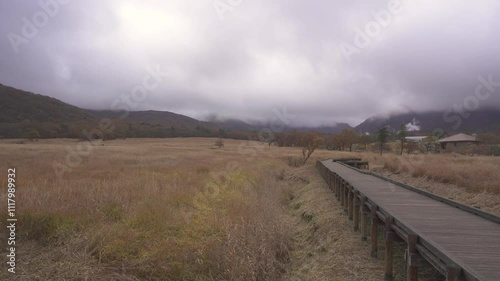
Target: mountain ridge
481,120
22,110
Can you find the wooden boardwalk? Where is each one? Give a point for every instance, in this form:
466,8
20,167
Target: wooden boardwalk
461,242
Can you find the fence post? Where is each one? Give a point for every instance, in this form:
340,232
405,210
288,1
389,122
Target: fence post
355,203
374,234
389,249
364,219
350,203
412,269
330,180
452,273
338,187
342,193
346,195
335,185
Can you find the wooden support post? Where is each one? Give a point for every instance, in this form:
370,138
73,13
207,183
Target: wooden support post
452,273
332,183
412,269
350,203
355,203
346,197
338,188
374,234
389,249
345,193
364,219
335,184
342,193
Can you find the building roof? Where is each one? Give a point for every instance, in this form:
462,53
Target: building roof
459,138
416,138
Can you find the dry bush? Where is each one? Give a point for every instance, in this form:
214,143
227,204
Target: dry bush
257,246
480,149
294,161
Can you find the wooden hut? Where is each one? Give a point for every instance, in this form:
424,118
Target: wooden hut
457,140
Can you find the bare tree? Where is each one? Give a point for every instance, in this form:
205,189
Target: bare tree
350,137
338,142
33,135
411,146
365,140
311,142
219,143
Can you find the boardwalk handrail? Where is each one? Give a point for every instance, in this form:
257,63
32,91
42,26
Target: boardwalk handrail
355,202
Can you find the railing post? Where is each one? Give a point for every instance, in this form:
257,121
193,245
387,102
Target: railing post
350,203
364,219
374,234
346,195
335,184
355,203
389,249
452,273
412,269
338,187
342,192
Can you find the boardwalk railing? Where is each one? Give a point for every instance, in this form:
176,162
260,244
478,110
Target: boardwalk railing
362,209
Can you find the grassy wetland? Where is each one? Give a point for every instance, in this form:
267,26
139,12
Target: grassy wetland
181,209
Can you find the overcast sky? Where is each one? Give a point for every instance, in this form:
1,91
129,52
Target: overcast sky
244,58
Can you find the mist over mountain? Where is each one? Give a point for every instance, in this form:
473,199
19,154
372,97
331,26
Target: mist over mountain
481,120
21,111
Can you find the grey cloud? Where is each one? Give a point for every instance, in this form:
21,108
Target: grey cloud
264,55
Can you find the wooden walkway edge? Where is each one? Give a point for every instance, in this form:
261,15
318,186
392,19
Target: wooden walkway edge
461,242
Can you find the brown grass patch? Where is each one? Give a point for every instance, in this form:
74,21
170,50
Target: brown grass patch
149,209
174,209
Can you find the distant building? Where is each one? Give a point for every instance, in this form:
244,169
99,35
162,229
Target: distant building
457,140
415,138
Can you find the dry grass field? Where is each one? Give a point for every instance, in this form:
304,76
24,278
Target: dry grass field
177,209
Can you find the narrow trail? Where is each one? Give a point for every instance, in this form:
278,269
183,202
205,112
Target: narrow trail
324,246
